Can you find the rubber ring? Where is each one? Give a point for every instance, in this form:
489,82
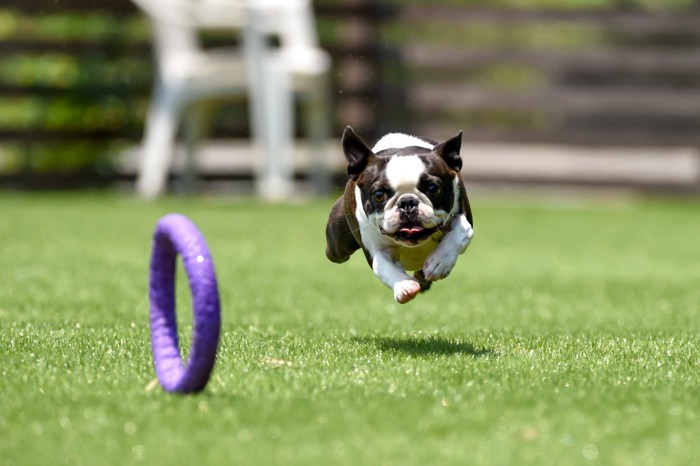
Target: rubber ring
176,235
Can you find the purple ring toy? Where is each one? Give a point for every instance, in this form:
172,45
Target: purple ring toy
176,234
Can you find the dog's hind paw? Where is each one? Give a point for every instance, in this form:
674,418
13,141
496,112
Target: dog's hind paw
424,282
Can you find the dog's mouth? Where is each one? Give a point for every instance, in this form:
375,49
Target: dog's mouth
412,233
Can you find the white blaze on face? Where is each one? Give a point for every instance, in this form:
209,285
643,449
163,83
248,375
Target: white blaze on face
403,175
404,172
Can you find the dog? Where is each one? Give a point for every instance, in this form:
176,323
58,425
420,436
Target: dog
406,206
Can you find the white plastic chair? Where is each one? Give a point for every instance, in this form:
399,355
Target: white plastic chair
271,76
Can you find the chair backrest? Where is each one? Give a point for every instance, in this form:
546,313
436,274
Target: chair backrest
292,20
176,22
197,14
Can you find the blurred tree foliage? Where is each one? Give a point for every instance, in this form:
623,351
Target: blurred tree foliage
67,82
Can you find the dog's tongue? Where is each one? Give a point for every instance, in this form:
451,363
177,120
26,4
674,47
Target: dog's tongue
412,230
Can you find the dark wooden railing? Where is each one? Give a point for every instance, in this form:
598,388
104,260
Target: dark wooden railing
623,78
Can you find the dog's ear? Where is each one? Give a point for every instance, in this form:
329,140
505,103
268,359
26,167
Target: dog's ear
356,152
449,151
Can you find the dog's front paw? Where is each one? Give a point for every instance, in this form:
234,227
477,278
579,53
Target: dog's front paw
439,264
406,290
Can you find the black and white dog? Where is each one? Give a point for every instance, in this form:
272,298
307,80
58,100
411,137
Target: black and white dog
406,206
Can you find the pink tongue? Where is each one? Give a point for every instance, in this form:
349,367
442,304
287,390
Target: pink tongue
411,230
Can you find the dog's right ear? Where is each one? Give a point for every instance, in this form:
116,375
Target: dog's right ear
356,152
449,151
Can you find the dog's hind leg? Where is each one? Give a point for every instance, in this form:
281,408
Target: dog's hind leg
340,241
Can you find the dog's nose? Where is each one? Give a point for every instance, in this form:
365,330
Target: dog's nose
408,204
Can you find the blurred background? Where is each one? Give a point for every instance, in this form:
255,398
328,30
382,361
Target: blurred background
592,93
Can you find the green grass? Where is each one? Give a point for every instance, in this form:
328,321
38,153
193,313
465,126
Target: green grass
567,334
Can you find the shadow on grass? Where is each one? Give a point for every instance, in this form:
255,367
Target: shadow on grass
428,346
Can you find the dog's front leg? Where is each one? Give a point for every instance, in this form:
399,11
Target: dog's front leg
440,262
392,274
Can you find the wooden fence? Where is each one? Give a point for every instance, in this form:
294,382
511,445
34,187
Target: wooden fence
75,78
595,77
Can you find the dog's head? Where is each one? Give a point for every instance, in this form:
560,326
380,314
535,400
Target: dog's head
409,186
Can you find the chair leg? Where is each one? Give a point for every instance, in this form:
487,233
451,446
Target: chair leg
193,130
159,143
275,176
271,110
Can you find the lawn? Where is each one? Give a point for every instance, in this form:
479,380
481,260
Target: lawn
567,334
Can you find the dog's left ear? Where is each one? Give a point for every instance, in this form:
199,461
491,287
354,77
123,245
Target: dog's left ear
449,151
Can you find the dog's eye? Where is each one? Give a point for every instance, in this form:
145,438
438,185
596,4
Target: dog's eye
432,189
379,195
